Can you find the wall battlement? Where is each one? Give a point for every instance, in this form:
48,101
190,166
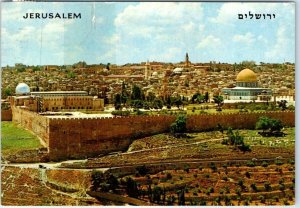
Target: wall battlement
84,137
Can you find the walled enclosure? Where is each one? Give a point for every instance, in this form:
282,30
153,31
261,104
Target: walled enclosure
84,137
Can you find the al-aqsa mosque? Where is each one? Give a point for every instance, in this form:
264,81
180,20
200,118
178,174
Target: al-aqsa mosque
247,88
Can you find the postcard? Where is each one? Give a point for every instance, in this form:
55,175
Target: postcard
147,103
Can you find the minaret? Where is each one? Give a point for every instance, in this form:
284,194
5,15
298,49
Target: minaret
187,62
147,67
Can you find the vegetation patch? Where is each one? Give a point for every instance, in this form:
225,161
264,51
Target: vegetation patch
15,138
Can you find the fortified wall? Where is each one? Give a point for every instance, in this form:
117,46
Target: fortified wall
206,122
6,115
85,137
76,137
32,121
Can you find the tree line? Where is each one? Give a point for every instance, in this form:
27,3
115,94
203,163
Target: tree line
137,99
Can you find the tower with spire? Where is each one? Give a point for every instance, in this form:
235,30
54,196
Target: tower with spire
147,68
187,61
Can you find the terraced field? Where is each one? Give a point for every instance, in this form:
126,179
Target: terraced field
30,187
223,185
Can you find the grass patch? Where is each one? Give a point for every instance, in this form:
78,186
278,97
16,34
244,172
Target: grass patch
15,138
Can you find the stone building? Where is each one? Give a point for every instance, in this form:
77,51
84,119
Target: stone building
247,88
55,100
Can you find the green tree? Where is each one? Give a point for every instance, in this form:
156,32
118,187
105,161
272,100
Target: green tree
124,94
194,97
71,75
282,104
7,92
97,178
117,102
178,102
219,100
158,103
200,98
263,123
179,126
266,123
206,97
132,188
136,93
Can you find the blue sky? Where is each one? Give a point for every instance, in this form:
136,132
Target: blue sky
135,32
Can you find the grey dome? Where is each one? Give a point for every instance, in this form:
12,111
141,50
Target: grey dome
22,88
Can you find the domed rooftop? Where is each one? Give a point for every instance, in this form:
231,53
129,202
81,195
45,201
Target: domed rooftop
246,75
22,88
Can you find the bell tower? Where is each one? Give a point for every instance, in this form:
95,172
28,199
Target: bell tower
187,61
147,68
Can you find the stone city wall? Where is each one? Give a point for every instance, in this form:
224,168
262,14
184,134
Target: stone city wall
6,115
75,138
85,137
32,121
206,122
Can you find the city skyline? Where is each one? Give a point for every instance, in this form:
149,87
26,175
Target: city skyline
123,33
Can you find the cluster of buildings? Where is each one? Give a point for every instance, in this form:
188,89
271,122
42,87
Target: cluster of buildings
162,79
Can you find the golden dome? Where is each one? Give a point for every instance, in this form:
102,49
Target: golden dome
246,75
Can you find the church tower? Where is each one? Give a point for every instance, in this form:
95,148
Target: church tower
187,61
147,68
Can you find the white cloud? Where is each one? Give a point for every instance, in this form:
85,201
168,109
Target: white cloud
284,46
159,27
248,38
209,42
112,40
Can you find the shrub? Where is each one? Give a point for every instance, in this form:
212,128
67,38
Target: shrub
227,200
251,163
276,198
186,168
169,176
281,187
143,170
218,200
262,199
265,164
267,186
224,141
163,180
247,174
253,187
213,167
238,191
202,202
179,126
120,113
227,190
246,202
278,162
241,183
281,181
